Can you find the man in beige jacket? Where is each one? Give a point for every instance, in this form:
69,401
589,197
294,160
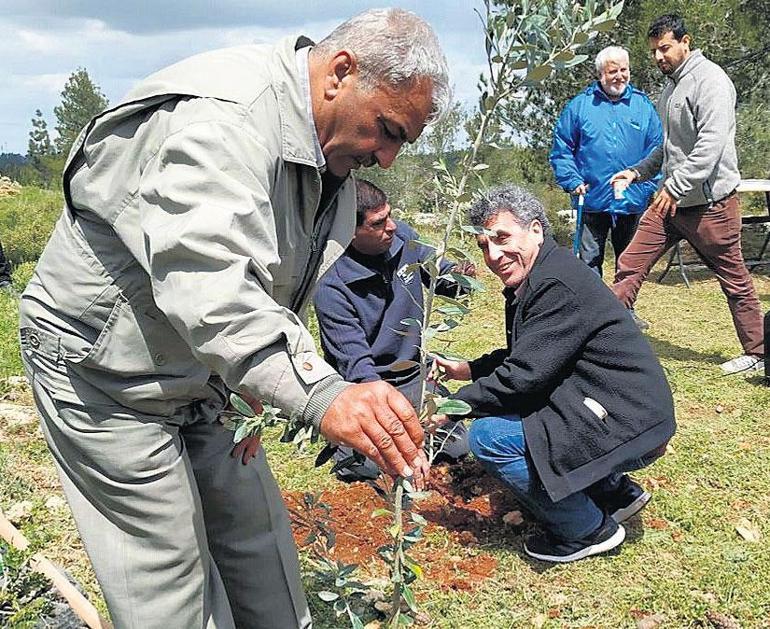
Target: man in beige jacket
199,214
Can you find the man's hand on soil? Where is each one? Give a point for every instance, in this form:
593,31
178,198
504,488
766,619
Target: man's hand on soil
380,423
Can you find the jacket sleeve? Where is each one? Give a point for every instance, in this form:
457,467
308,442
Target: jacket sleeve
342,336
652,141
566,140
553,331
209,240
714,122
486,364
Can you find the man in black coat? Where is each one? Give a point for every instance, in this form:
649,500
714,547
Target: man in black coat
575,400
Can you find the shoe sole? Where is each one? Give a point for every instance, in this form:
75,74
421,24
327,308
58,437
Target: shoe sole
607,545
733,372
621,515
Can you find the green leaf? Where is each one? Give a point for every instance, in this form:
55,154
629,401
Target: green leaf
581,38
418,519
380,512
453,407
241,405
403,365
481,167
540,73
411,321
464,197
472,229
457,254
604,27
450,300
355,621
521,64
414,567
408,595
419,241
394,530
241,432
418,495
577,59
453,311
328,597
564,56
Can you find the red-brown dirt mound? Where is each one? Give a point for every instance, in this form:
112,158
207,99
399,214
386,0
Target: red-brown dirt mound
464,503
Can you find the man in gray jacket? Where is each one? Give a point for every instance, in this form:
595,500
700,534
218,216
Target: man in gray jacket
697,201
199,214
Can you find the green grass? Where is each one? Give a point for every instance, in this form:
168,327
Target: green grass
682,559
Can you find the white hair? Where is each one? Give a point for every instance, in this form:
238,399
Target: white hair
610,53
396,48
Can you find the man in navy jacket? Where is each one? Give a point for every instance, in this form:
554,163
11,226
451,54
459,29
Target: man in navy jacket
361,303
575,399
607,124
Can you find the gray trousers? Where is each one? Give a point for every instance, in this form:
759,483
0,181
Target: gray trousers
180,534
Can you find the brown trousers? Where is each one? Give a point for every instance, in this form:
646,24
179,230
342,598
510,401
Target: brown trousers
715,233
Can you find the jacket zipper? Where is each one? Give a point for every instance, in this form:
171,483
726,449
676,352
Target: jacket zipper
312,263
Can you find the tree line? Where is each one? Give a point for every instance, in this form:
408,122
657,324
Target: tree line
81,99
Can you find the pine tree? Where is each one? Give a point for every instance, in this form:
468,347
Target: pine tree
81,100
39,140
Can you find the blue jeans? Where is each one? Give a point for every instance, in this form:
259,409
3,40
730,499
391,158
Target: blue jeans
594,239
498,443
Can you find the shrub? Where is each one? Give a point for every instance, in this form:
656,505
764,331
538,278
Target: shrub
26,222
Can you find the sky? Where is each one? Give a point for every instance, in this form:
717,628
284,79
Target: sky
121,41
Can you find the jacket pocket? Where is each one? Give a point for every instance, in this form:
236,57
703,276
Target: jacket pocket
137,340
43,356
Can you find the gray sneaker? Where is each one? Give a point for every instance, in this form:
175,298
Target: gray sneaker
746,363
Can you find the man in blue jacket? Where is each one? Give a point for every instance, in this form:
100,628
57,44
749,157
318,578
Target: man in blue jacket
361,303
610,123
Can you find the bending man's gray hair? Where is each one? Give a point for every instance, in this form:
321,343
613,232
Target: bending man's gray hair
610,53
394,47
522,204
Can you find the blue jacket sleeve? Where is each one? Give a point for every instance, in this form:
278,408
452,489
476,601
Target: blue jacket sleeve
566,138
342,338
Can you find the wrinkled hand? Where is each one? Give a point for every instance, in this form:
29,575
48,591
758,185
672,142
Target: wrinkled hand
664,204
246,449
379,422
465,268
627,175
454,369
581,189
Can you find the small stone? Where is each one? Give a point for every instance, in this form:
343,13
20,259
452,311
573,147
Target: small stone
719,408
54,503
719,620
19,511
748,530
650,622
513,518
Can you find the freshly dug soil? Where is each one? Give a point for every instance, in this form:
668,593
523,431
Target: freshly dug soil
465,504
